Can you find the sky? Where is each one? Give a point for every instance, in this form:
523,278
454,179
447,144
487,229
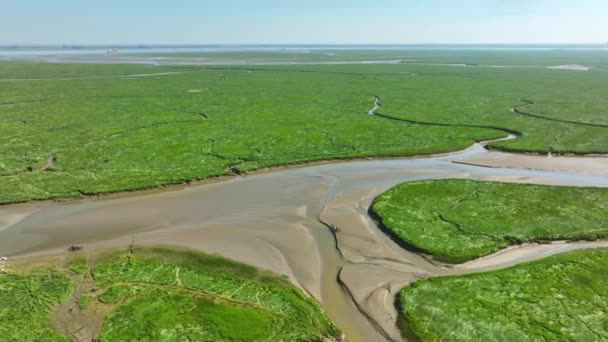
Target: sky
302,21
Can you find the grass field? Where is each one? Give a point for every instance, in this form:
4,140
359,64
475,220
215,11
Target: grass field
188,296
562,298
159,294
26,301
66,138
459,220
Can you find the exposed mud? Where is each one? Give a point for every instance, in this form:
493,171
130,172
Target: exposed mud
376,106
280,221
575,67
589,165
49,163
72,321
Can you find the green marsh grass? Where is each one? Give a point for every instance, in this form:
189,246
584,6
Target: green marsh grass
160,294
78,265
26,302
562,298
117,134
459,220
185,295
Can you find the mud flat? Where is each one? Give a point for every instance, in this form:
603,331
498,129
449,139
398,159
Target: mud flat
310,224
158,61
597,165
575,67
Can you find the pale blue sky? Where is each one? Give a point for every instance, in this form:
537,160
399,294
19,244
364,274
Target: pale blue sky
302,22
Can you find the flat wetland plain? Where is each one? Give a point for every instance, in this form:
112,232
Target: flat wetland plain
73,137
74,130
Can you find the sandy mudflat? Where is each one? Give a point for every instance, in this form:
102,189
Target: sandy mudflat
518,254
11,215
584,165
575,67
280,221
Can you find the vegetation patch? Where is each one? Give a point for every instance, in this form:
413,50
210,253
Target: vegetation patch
459,220
78,266
562,298
179,315
159,294
183,295
84,301
117,292
26,302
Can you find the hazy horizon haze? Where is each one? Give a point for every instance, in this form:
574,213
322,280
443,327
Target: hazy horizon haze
235,22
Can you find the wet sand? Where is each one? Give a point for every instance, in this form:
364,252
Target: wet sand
595,165
281,221
575,67
372,111
191,61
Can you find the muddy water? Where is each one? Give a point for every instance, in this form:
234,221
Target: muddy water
280,221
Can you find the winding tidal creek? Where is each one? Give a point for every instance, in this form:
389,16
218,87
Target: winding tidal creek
310,224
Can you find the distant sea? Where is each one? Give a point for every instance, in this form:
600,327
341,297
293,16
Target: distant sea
54,50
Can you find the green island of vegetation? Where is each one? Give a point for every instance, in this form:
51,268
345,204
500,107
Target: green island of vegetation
458,220
562,298
160,294
68,130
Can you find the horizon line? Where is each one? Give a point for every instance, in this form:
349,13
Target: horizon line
143,45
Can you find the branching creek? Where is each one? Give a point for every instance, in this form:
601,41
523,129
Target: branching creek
285,221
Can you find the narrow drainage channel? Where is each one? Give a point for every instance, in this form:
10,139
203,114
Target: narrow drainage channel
338,305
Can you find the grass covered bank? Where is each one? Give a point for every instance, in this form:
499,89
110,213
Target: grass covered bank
73,137
160,294
562,298
459,220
